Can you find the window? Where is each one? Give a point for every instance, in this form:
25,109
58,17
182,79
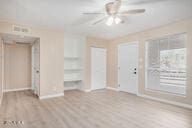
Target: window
166,64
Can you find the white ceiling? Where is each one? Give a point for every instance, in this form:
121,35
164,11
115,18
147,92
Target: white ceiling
67,15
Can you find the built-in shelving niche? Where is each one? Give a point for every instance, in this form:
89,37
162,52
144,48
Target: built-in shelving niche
74,61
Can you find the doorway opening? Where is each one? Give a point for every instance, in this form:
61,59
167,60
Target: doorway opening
21,63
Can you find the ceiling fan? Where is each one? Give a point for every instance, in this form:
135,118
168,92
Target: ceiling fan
113,13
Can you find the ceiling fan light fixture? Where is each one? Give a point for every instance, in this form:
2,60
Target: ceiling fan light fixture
117,20
110,21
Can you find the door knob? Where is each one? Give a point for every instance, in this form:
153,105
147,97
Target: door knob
37,71
135,72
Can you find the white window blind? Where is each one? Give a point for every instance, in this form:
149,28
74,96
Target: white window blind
166,64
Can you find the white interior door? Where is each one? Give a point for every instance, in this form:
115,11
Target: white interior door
127,64
98,68
36,68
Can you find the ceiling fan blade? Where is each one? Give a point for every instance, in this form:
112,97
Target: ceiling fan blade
93,13
134,11
83,20
99,21
142,2
23,43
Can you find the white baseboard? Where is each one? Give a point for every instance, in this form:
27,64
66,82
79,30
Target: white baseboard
167,101
114,89
19,89
51,96
110,88
70,88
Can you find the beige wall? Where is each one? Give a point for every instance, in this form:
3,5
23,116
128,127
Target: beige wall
52,62
51,57
92,42
17,66
177,27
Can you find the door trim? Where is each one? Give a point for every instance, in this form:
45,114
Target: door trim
137,66
92,89
32,66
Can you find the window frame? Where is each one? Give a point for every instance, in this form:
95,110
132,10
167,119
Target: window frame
147,88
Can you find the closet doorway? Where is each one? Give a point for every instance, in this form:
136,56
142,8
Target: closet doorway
21,63
98,68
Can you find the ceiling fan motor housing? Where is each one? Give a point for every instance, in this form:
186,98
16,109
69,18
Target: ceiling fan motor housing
112,8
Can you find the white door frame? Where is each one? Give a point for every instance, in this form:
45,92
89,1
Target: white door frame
91,67
33,72
125,44
2,67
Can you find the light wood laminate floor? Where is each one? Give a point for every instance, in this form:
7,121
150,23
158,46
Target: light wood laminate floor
97,109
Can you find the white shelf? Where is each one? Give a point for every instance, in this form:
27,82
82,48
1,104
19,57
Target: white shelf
73,69
71,58
72,80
